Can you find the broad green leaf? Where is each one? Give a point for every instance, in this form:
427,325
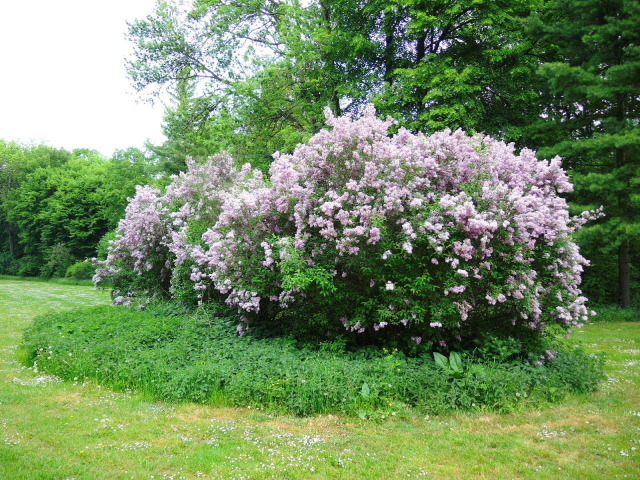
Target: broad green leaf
365,391
441,360
455,362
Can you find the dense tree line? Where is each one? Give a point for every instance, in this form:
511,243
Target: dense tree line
56,205
262,72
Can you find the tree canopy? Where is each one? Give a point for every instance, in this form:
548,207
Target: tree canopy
56,204
258,74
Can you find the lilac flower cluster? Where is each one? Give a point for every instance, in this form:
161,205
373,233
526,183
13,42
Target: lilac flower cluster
415,235
153,238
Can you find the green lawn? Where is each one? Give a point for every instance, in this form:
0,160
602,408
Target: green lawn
60,430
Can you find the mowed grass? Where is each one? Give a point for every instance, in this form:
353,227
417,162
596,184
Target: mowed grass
63,430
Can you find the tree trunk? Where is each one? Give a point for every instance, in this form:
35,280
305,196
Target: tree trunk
335,99
624,270
421,48
389,47
11,239
421,92
625,274
12,247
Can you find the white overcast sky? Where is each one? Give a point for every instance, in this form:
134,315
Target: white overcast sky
62,75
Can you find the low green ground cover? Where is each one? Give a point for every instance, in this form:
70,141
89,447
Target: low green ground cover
52,429
200,357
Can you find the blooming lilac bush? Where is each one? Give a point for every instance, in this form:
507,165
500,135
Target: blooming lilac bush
406,237
160,230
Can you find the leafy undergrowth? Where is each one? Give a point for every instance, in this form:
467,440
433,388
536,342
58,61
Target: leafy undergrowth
199,357
614,314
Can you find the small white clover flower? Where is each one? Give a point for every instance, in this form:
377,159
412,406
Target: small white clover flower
390,286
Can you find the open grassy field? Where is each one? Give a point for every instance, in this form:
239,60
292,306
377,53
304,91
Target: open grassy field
63,430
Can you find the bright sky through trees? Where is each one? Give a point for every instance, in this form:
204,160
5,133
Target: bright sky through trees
62,75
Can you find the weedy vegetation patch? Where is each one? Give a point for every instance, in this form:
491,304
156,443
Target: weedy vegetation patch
199,357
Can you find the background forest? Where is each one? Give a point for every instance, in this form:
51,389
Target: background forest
561,77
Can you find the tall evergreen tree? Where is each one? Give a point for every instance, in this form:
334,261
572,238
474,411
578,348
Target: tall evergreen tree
593,115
